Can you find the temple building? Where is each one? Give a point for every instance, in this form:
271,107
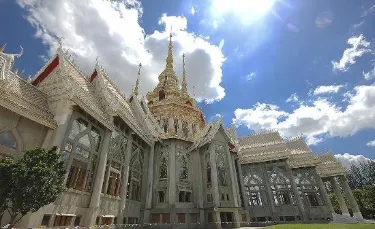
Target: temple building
155,160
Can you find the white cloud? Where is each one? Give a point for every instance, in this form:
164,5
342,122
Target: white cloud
221,45
369,75
331,89
359,46
111,30
192,10
292,98
316,120
368,11
371,143
355,26
250,76
348,159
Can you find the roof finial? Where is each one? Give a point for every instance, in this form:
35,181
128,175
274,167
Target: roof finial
170,52
137,81
184,83
3,48
20,53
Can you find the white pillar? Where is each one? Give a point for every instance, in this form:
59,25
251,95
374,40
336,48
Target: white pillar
323,191
242,188
125,176
340,198
353,204
269,193
296,193
47,142
172,180
63,113
98,184
215,183
150,184
233,176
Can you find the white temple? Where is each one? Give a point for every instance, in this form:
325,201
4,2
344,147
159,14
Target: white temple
155,160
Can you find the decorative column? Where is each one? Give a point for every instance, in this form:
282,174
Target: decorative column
92,212
202,186
353,204
63,113
269,193
150,184
295,190
125,176
215,183
340,198
232,173
242,188
48,140
215,186
323,191
172,181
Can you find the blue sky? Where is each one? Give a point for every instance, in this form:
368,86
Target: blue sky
302,67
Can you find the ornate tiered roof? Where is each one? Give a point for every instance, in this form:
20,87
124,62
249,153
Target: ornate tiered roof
21,97
330,166
300,154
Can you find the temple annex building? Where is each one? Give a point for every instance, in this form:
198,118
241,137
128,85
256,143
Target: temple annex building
155,160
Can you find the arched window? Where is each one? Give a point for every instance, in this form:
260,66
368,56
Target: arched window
208,169
183,165
115,164
221,168
135,175
175,122
83,144
280,185
7,139
185,129
163,168
165,125
161,94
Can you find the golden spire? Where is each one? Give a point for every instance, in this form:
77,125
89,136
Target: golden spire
170,52
137,82
184,83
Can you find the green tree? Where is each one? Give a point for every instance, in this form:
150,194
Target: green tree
6,168
36,180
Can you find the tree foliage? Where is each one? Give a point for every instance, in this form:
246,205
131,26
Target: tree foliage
31,182
361,179
361,175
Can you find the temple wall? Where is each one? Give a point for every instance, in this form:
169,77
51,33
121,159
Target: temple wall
28,134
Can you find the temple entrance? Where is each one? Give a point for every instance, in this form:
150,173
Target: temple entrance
226,219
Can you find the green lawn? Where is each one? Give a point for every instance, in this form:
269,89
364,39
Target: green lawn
322,226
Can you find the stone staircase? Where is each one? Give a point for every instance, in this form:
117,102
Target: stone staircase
344,219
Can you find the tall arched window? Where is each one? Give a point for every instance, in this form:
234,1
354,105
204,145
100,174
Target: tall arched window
7,139
165,125
163,166
280,185
135,173
82,146
221,168
175,122
183,161
115,164
208,169
185,129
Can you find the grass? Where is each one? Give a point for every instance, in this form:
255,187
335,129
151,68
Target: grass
322,226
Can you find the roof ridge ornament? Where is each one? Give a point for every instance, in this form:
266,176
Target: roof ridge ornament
184,82
3,47
137,81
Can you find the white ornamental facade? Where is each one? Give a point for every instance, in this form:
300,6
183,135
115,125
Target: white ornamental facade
154,160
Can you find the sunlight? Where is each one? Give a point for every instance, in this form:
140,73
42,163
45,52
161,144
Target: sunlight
246,10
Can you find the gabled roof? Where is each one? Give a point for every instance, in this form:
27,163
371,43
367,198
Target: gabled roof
330,166
208,133
21,97
300,154
263,146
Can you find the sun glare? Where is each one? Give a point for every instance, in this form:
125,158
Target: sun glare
246,10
